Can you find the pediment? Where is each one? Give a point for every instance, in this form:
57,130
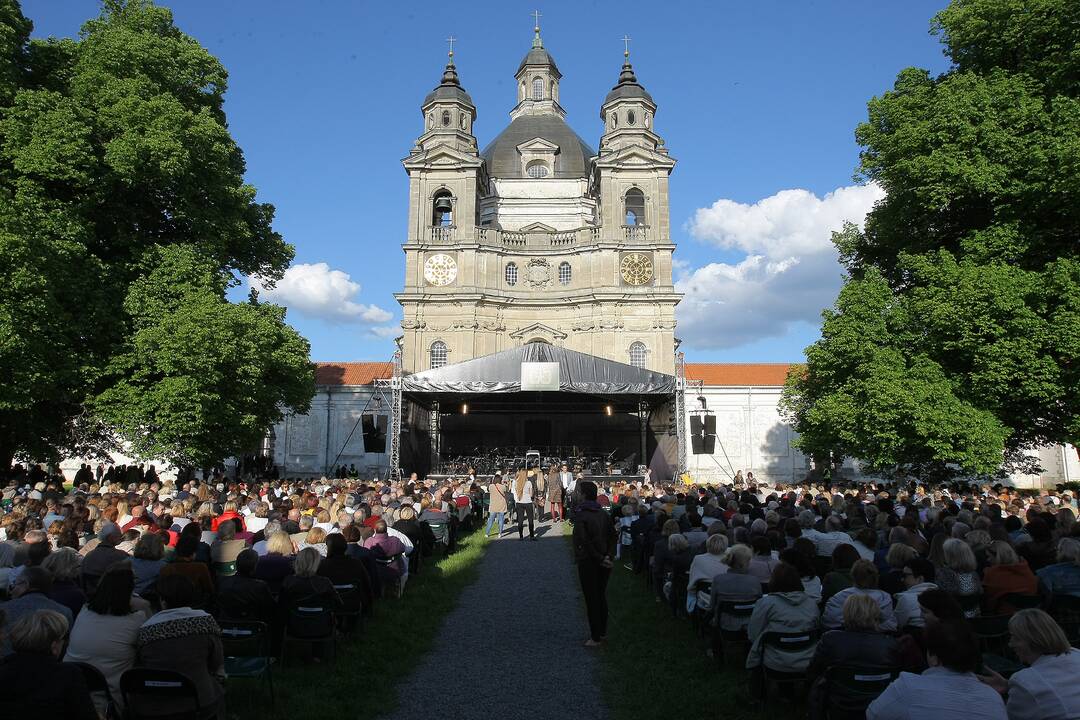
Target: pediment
635,155
537,145
441,156
537,227
538,329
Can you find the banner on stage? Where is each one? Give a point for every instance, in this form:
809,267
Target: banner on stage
539,376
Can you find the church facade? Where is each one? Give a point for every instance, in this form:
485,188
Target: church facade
538,237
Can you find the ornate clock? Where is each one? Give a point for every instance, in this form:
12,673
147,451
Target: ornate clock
636,269
440,270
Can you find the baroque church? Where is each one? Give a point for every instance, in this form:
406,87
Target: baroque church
539,237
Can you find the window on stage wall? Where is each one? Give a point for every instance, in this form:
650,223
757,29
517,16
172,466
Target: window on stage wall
439,354
564,273
511,274
637,355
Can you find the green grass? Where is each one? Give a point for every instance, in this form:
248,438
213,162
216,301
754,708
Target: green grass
360,684
647,646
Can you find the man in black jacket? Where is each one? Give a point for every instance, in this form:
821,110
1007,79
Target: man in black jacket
594,548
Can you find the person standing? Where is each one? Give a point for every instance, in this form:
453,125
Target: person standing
594,547
496,505
540,496
524,488
555,498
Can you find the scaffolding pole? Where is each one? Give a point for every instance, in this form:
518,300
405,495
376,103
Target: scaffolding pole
680,410
394,385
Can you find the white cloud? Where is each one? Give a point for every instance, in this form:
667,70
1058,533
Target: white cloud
387,331
789,273
313,289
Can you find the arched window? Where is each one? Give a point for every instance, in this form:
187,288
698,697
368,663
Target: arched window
511,274
442,209
630,118
637,354
537,169
564,273
635,207
538,89
439,354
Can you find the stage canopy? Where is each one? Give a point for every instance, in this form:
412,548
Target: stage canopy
502,372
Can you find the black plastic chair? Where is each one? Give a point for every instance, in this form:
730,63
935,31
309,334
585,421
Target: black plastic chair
151,694
784,642
350,616
99,690
310,623
396,584
733,644
850,690
246,645
993,634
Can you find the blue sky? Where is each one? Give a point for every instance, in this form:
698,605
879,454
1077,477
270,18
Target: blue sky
757,101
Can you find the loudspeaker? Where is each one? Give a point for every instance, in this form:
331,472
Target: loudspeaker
697,435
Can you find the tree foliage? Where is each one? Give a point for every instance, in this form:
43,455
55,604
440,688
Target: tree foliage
956,338
124,219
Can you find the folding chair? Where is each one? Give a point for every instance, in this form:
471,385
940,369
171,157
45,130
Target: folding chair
993,634
1065,609
99,690
247,651
736,640
151,694
850,690
350,616
310,623
396,585
787,642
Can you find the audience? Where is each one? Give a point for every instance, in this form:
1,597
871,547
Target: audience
35,683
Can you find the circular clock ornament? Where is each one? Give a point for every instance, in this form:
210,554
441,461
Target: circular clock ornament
636,269
440,270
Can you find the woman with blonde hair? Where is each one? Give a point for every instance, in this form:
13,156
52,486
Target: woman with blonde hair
1046,689
957,574
524,489
315,538
277,563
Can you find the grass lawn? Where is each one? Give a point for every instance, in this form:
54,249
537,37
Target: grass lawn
654,666
391,643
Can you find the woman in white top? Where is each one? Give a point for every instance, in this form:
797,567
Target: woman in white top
524,487
703,568
105,631
1047,688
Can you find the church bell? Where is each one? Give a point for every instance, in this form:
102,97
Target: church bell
443,205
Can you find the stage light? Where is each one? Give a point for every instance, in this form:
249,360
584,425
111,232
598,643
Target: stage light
608,410
464,408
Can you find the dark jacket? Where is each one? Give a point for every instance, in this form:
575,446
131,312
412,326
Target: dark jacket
856,649
274,568
37,685
314,590
241,597
594,534
367,559
345,570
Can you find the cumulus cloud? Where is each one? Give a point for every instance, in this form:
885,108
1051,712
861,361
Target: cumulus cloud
314,290
386,331
789,273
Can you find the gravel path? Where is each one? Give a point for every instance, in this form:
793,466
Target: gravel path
512,648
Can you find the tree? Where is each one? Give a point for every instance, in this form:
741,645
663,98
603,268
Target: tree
956,338
118,176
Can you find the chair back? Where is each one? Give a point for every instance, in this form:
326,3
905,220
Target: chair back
1021,601
790,641
224,569
440,531
151,694
350,597
310,620
98,687
850,690
1066,610
244,638
736,608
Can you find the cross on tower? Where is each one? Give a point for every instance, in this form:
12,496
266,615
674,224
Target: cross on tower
626,45
451,40
536,20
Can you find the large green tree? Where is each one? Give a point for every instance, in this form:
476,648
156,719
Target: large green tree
124,220
955,341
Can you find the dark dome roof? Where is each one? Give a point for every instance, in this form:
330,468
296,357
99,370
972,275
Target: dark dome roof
449,89
572,160
538,56
628,87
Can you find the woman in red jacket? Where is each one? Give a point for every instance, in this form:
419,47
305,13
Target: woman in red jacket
1005,573
230,513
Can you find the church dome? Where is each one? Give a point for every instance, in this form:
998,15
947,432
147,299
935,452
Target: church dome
628,87
572,160
449,89
538,56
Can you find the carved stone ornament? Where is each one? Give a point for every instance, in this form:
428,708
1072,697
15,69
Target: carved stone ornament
538,273
440,270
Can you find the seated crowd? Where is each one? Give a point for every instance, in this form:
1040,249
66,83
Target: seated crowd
879,601
110,579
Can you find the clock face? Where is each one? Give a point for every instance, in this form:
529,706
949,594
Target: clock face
440,270
636,269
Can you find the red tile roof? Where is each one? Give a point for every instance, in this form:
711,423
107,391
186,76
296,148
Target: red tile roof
739,374
351,373
735,374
